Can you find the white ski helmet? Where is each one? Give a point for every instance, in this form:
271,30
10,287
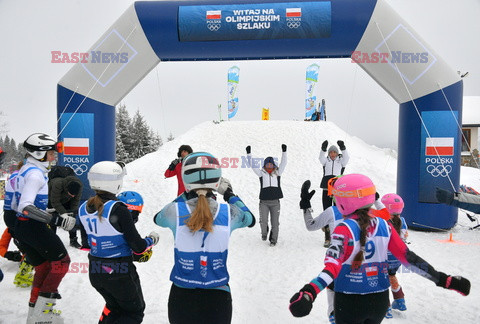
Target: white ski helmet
201,170
38,144
107,176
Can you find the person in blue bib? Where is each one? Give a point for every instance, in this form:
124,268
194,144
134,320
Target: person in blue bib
201,227
357,259
113,239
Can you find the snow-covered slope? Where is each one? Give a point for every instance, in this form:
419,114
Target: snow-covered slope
263,278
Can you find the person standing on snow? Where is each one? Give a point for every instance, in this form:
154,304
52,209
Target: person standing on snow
270,193
44,248
201,228
113,239
64,194
333,165
175,168
357,260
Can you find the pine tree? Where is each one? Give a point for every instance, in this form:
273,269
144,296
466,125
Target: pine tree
123,137
155,141
140,137
170,137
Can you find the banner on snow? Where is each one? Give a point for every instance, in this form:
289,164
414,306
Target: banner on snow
311,81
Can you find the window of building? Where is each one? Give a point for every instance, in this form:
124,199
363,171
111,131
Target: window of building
466,143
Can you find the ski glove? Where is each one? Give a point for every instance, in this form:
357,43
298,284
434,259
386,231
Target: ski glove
172,165
444,196
224,185
341,145
143,257
15,256
457,283
248,149
284,147
302,302
306,196
324,146
154,237
65,221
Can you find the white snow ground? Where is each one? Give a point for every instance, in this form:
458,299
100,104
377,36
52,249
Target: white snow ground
264,278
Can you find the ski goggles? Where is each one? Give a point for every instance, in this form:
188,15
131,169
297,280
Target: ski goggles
358,193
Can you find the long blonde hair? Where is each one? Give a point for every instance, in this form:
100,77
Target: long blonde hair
201,217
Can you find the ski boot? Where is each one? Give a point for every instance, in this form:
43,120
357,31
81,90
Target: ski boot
74,243
399,304
389,313
43,311
24,276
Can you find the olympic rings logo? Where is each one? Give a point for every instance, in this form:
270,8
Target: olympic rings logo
293,24
213,27
439,170
79,169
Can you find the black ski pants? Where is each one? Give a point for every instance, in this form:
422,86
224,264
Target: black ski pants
117,280
360,309
199,306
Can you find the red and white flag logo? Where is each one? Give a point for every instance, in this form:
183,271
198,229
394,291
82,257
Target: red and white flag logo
214,14
371,271
203,260
94,242
439,146
294,12
76,146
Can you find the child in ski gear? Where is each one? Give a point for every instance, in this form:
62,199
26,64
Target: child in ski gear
113,239
201,228
461,200
44,248
270,193
175,168
64,194
394,204
134,202
357,259
333,165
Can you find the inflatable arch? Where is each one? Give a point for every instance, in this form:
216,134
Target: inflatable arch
370,31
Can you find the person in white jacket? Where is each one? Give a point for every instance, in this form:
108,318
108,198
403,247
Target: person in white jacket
270,192
334,164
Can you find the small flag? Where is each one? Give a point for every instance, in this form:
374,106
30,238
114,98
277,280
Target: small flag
203,260
76,146
265,114
214,14
439,146
371,271
294,12
94,242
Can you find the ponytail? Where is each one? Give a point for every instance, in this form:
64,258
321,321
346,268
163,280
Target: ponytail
363,222
397,223
201,218
96,203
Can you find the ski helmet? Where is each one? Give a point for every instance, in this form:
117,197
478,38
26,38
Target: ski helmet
132,199
201,170
352,192
393,203
38,144
107,176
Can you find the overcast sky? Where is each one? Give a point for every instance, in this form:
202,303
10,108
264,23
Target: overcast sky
177,96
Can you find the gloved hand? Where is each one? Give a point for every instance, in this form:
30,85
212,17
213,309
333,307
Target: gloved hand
302,302
444,196
224,185
143,257
15,256
457,283
341,145
284,147
324,146
248,149
65,221
172,165
306,196
154,237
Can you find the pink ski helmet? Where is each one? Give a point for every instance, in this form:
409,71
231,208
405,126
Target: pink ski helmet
393,203
352,192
